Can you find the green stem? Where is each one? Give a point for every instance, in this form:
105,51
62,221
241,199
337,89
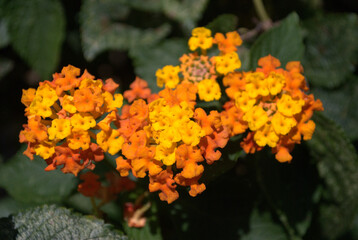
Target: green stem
261,11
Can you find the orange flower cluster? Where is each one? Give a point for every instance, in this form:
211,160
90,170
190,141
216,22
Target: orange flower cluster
166,138
200,69
271,102
62,120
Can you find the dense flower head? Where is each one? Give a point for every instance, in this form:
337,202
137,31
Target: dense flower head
168,139
200,69
63,117
273,105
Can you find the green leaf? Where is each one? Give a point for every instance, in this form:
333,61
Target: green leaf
151,230
145,5
148,60
6,65
101,31
223,23
262,227
341,105
284,42
294,208
4,32
187,12
10,206
27,181
331,49
52,222
337,163
36,29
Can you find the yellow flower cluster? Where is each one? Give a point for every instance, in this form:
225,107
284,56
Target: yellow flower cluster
62,116
171,125
273,104
200,69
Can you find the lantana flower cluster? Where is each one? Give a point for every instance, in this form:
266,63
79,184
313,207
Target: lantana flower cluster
74,119
63,118
200,69
272,103
168,139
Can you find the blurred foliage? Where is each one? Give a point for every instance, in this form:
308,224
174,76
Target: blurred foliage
247,197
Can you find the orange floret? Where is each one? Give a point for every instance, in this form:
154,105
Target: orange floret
228,44
139,89
165,183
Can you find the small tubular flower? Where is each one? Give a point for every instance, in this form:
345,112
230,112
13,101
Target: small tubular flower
201,38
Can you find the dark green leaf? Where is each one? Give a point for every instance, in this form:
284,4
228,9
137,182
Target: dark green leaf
4,32
146,5
223,23
6,66
101,31
27,181
331,49
10,206
7,230
337,163
341,105
277,181
187,12
262,227
52,222
36,29
284,42
148,60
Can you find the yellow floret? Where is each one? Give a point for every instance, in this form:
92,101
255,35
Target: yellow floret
67,104
168,76
227,63
82,121
201,38
266,136
59,129
256,118
44,150
289,107
209,90
244,102
275,82
281,124
47,94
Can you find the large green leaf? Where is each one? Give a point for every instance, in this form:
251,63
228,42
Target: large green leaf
262,227
10,206
100,29
337,163
223,23
187,12
331,49
277,181
4,33
284,42
36,29
148,60
52,222
341,105
27,181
